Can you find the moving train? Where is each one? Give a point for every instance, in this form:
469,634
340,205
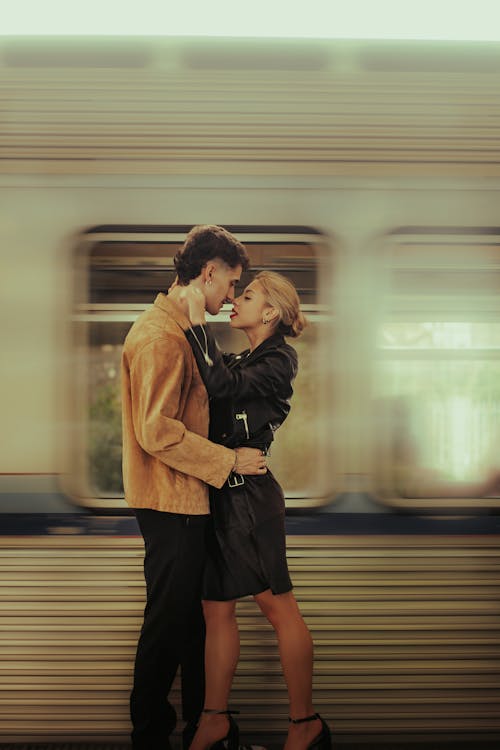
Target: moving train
369,173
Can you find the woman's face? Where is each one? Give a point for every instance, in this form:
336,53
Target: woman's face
251,308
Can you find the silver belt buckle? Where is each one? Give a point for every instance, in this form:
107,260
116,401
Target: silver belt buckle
235,480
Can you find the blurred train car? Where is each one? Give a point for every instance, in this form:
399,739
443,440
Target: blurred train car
369,173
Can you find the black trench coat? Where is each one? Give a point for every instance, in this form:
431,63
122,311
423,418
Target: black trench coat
249,399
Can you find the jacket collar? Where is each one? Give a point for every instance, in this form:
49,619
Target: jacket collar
277,339
173,310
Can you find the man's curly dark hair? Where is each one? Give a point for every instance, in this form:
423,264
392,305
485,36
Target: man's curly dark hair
206,242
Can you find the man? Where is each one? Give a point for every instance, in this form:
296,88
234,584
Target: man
167,464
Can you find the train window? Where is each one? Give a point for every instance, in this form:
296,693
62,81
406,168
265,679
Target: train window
123,270
437,375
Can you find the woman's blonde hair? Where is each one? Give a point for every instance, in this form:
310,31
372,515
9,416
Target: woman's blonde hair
281,294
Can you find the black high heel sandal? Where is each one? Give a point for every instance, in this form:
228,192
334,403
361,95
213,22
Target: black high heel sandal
324,739
232,739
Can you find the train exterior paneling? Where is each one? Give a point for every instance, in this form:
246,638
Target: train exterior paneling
405,630
384,160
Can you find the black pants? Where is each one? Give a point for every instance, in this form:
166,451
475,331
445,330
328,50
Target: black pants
173,631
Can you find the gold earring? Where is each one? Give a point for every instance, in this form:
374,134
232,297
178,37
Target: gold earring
265,321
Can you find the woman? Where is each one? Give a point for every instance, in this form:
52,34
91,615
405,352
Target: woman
250,395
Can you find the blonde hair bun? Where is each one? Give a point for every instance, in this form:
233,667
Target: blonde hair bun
281,294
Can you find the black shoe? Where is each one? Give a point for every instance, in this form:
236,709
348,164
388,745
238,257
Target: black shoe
323,741
232,738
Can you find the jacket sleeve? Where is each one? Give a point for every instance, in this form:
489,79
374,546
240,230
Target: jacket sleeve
267,376
156,376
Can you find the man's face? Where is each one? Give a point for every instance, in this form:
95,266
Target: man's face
221,286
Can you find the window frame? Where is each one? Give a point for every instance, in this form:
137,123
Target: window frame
409,308
86,313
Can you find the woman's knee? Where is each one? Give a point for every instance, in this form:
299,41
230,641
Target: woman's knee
219,612
279,609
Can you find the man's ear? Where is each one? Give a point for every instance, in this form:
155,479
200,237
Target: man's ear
208,272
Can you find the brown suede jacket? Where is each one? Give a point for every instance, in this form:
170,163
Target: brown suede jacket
167,459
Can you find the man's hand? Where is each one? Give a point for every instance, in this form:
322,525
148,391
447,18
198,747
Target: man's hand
250,461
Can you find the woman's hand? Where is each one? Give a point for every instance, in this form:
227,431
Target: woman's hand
194,300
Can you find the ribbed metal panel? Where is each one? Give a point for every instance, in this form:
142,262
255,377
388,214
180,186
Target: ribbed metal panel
406,632
151,120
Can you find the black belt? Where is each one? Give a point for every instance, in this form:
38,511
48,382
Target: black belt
235,480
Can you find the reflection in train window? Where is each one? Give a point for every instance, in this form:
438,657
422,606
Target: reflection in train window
124,278
437,378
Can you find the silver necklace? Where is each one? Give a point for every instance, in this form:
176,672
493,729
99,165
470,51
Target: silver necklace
204,350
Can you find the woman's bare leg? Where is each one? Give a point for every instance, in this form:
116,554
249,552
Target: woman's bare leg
296,653
222,650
